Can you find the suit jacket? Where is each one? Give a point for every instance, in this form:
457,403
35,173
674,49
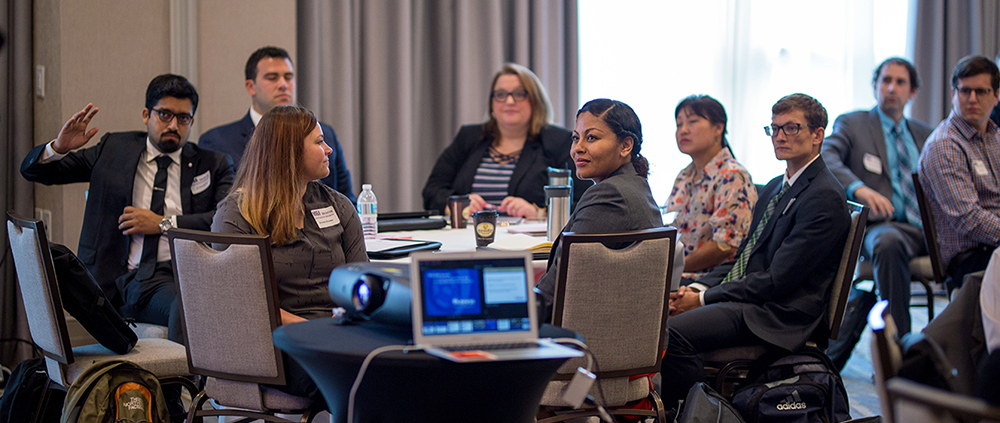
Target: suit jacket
856,135
110,168
620,203
232,139
784,292
455,169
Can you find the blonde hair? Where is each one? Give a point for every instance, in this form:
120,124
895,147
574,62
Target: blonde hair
541,107
267,189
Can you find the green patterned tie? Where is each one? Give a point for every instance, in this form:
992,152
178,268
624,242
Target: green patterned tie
741,262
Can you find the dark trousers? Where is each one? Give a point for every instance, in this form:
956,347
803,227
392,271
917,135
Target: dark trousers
703,329
890,246
154,300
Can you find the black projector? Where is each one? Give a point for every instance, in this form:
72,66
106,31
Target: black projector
373,291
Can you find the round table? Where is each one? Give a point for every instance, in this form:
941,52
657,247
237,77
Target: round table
414,386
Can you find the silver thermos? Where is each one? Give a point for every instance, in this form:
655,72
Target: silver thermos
557,197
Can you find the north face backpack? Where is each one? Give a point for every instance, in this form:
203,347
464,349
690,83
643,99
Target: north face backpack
802,387
115,391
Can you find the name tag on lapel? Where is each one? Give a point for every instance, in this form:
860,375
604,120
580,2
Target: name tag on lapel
980,168
201,182
872,164
326,217
788,206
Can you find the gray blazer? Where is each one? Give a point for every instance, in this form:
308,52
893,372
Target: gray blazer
857,134
620,203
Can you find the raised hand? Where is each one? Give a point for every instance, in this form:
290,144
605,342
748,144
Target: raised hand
74,133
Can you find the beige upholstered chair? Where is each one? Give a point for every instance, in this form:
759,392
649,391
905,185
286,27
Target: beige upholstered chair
730,364
616,299
915,402
47,321
229,306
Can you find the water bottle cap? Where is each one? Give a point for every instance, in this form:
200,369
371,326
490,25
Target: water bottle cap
366,186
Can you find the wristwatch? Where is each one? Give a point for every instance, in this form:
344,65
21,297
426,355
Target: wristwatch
166,225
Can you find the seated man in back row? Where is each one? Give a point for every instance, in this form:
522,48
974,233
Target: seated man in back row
775,292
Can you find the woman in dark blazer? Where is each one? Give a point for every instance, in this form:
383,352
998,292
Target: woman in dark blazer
501,164
606,149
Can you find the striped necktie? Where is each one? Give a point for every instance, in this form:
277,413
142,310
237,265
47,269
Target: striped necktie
905,171
739,268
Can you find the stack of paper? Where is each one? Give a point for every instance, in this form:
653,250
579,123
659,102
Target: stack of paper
521,242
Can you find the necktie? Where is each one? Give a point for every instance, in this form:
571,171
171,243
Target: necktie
739,268
151,243
905,178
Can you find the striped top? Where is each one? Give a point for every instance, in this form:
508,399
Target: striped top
492,179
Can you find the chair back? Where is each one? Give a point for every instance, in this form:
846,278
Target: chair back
229,306
916,402
36,277
930,231
616,298
887,357
841,286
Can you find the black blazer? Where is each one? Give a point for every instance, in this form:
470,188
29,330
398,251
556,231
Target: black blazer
858,134
232,139
110,168
790,269
620,203
456,167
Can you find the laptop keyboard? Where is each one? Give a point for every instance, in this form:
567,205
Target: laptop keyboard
490,347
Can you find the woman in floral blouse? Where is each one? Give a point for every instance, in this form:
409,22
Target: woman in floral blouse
713,196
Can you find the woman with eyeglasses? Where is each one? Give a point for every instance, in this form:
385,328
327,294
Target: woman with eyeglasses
713,196
501,164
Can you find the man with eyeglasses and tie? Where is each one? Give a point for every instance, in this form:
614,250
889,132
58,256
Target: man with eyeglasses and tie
873,154
141,185
960,171
774,292
270,81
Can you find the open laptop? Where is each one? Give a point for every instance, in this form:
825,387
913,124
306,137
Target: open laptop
478,306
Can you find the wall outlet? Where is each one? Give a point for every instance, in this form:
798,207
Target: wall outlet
40,81
46,217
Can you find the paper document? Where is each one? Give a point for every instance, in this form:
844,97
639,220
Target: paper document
519,242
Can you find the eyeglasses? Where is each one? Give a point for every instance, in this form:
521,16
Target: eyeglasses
980,92
789,128
500,96
166,116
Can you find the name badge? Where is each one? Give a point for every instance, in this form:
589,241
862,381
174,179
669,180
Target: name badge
201,182
872,163
980,168
325,217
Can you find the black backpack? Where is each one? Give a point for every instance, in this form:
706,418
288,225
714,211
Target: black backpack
799,387
84,299
704,405
115,391
30,396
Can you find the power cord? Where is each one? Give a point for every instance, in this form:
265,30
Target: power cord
364,367
591,364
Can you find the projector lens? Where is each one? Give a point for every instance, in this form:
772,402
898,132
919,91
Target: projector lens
361,296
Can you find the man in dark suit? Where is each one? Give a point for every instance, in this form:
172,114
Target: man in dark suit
141,185
270,81
775,292
873,154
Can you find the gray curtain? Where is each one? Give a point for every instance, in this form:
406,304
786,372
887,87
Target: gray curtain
16,127
946,31
396,78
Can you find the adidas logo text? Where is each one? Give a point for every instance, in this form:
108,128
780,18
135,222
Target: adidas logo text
792,402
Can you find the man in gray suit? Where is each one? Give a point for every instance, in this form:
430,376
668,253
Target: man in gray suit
873,154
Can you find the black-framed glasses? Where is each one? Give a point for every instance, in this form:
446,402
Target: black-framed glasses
500,96
166,116
789,128
980,92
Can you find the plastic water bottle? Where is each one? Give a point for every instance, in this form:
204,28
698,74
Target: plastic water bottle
368,210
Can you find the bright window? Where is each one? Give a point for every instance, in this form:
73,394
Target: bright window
745,53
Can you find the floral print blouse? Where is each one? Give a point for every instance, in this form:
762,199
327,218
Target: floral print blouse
712,204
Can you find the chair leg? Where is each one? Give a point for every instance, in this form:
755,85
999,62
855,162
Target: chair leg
930,298
661,412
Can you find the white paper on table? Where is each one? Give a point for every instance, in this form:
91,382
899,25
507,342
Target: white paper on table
375,245
519,242
529,228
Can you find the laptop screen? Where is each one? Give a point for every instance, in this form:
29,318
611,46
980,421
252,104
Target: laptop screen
474,296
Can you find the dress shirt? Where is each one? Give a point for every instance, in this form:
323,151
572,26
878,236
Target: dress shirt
960,171
254,116
142,189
